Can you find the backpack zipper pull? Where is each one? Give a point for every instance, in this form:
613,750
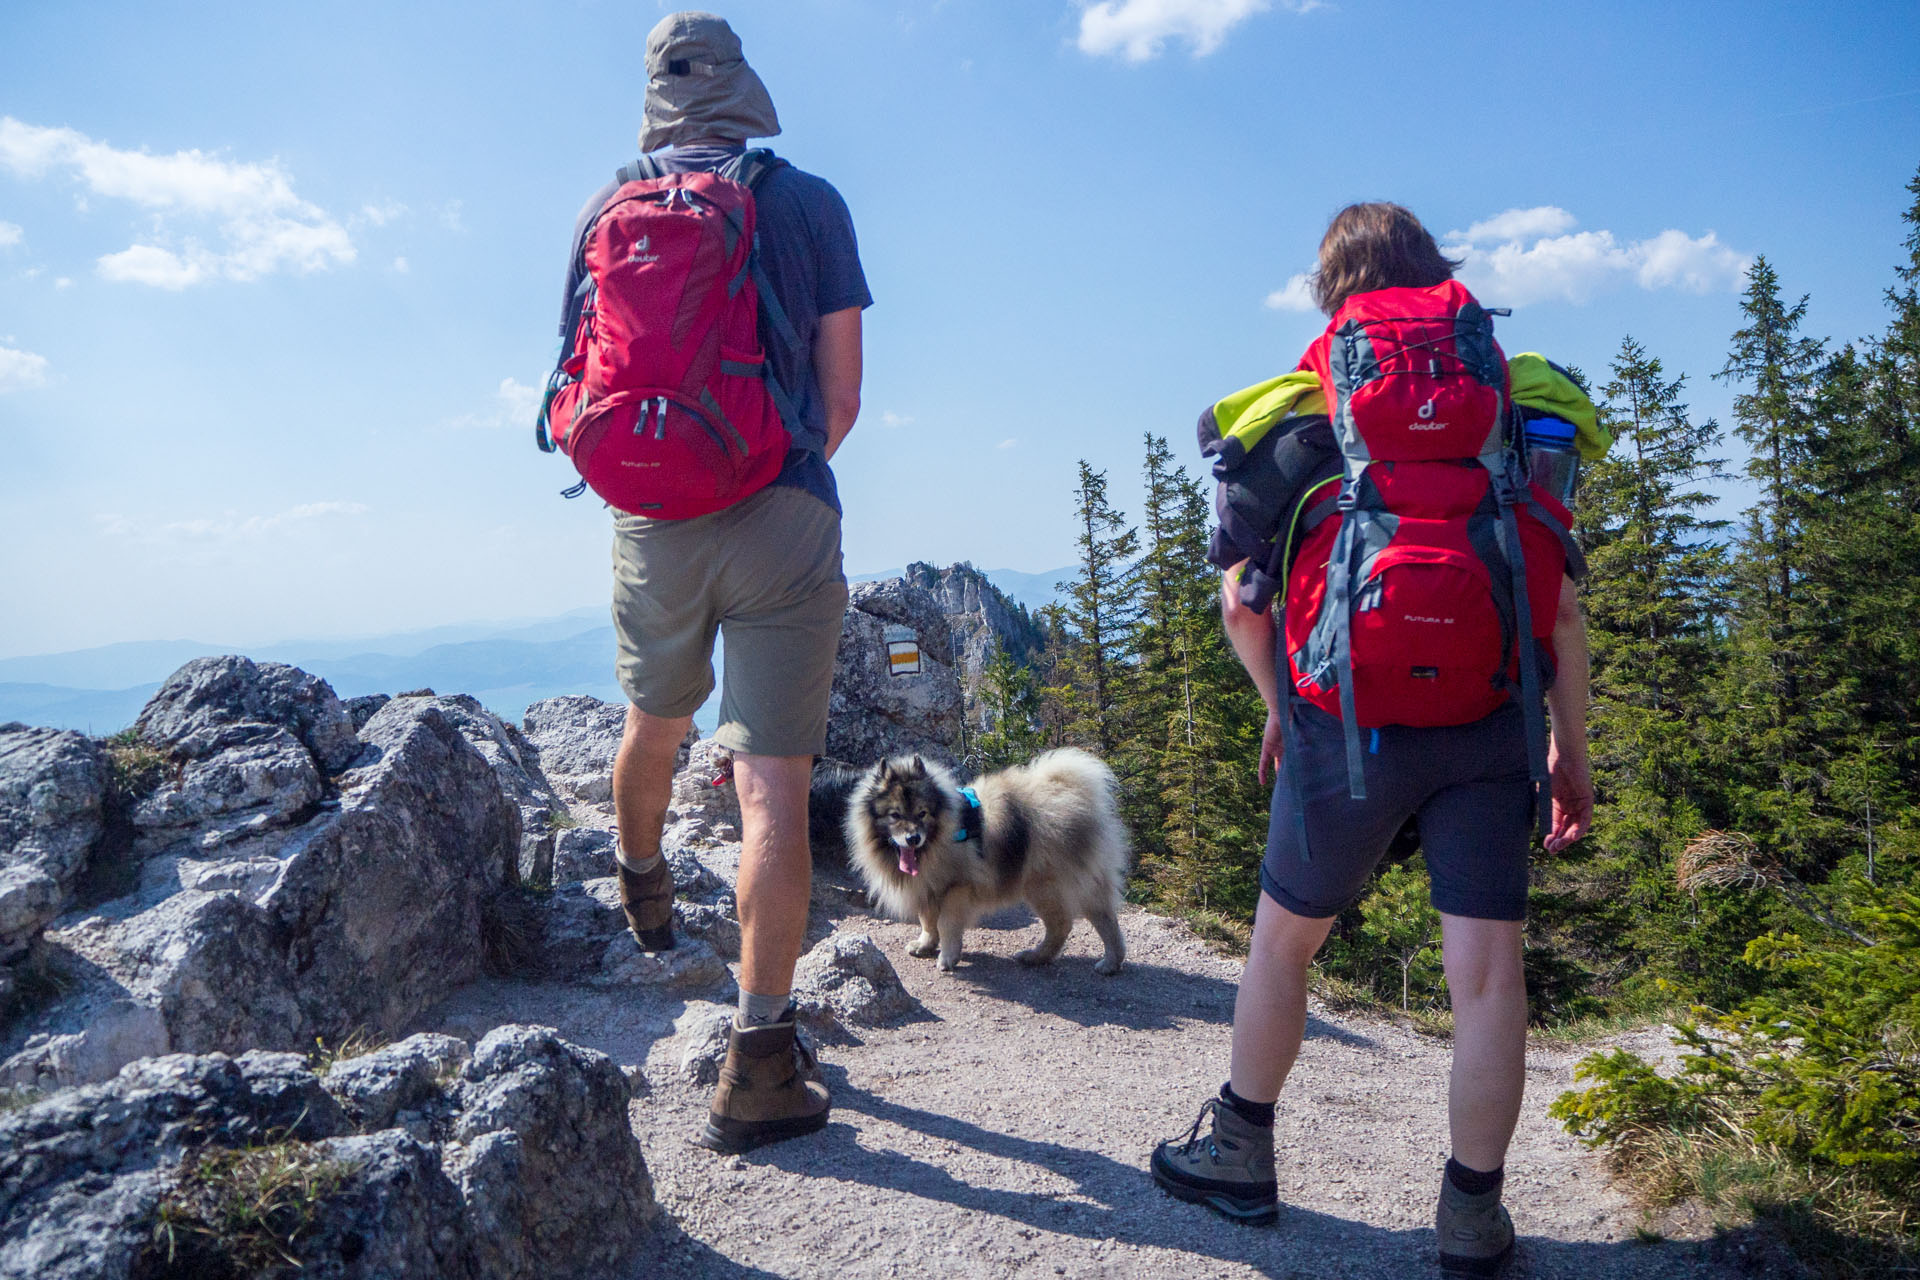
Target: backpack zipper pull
660,418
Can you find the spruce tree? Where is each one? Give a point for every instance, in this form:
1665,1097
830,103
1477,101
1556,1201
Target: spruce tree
1099,611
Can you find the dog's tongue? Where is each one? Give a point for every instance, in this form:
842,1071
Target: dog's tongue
909,860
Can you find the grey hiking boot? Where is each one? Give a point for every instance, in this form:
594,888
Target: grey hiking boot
1476,1234
1229,1168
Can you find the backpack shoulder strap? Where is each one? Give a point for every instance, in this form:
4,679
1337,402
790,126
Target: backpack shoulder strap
644,169
751,167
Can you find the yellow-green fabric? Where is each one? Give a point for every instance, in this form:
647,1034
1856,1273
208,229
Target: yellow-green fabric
1249,414
1538,385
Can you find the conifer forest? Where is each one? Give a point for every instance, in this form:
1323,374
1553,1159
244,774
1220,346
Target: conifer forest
1753,873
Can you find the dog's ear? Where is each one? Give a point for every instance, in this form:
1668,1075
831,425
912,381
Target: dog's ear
918,769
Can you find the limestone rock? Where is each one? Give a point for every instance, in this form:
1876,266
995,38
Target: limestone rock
873,713
361,709
582,853
847,980
981,617
702,1029
208,696
703,786
576,737
248,779
53,787
517,765
552,1177
521,1163
363,916
375,1088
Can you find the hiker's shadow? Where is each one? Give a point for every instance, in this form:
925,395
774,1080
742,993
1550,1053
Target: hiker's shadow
1112,1201
1141,997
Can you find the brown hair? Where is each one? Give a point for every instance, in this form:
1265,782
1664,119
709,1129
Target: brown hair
1376,246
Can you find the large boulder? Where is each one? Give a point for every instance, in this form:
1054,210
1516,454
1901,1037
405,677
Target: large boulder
874,712
206,698
424,1161
516,764
53,787
367,913
576,737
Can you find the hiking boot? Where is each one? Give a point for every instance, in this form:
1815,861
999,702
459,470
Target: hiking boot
646,898
1476,1234
1229,1168
767,1091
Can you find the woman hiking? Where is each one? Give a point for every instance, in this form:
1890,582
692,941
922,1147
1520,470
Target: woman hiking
1429,598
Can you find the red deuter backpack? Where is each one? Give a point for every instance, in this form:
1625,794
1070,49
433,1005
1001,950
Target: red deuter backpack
1428,596
665,401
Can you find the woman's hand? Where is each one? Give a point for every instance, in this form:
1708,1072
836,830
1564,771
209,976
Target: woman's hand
1270,746
1572,786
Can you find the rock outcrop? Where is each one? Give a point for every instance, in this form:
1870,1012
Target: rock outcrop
415,1161
981,617
872,712
53,786
516,763
253,926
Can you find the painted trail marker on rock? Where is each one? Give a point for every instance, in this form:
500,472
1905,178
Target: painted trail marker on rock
903,651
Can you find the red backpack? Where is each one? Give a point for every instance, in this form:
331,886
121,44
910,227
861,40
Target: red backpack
1428,595
665,402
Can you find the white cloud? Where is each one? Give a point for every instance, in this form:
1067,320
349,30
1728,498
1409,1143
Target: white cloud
513,407
260,225
400,265
11,233
892,419
1295,295
63,283
1136,29
1532,255
229,526
20,370
1008,443
383,213
450,216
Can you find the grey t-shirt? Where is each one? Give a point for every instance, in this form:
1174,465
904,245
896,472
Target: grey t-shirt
810,256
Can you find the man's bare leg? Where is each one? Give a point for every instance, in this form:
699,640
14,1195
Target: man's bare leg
1489,989
776,871
642,786
1270,1011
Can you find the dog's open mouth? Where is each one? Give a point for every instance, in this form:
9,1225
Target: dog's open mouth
909,858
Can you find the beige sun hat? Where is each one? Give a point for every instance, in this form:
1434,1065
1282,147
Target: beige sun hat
700,86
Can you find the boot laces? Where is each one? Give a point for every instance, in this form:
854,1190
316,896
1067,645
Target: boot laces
1193,1139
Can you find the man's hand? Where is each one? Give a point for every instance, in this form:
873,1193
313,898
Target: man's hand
1572,786
1271,747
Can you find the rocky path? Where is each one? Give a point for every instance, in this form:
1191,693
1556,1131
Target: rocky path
1004,1130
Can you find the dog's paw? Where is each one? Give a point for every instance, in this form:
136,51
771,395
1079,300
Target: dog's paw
948,963
1033,956
924,945
1108,966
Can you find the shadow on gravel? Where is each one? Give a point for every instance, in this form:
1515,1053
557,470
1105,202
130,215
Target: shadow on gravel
1126,1207
1141,997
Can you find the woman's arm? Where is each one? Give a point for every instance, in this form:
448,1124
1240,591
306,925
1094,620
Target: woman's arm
1572,780
1252,637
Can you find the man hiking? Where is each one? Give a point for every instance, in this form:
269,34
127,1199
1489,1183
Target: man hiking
746,538
1427,600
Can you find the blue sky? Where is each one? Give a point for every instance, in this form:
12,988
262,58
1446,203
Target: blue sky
276,281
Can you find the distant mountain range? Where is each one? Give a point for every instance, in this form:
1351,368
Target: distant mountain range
506,665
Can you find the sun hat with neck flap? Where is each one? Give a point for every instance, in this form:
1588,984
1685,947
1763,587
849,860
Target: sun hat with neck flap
699,86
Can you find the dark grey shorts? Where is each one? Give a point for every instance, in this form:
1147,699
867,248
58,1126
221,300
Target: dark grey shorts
1465,785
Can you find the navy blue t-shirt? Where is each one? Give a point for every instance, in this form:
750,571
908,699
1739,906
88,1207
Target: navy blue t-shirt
808,251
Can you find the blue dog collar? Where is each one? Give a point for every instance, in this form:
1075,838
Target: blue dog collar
969,828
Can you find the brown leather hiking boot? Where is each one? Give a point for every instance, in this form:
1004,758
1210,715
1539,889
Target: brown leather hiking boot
647,901
766,1091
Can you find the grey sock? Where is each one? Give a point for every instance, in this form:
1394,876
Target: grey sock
759,1011
639,866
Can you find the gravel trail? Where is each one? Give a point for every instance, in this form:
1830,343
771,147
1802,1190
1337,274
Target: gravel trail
1004,1131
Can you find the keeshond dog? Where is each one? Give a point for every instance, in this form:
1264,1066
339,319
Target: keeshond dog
1046,833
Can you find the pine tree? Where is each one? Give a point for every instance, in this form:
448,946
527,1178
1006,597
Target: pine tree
1100,612
1779,367
1009,711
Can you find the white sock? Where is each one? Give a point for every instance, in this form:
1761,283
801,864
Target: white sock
759,1011
639,866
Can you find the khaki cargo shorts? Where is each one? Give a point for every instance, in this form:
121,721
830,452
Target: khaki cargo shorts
764,572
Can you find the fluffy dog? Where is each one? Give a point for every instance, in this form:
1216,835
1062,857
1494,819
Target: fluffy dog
1046,833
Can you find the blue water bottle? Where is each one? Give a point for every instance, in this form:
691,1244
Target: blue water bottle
1552,462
